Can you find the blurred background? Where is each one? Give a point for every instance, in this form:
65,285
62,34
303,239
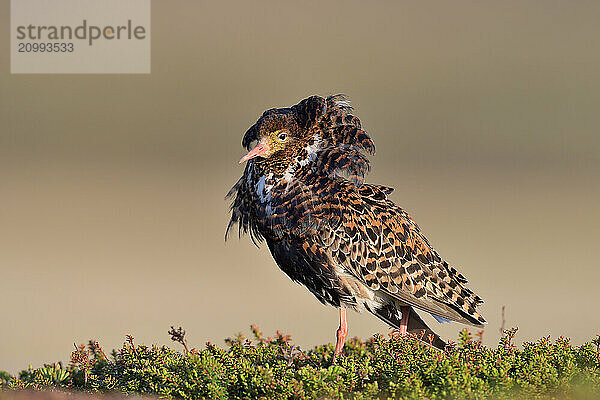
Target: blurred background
485,115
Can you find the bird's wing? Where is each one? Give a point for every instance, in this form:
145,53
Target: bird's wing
379,243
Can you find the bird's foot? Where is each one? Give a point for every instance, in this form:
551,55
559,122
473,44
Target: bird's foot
403,328
341,334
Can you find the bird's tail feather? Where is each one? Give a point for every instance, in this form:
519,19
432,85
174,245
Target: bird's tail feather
390,313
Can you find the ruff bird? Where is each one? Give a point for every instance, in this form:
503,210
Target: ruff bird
303,193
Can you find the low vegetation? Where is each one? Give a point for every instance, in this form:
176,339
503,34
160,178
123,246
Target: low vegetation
381,367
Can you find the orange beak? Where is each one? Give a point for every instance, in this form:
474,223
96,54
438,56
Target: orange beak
258,151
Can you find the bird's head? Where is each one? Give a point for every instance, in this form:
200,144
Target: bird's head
272,147
282,137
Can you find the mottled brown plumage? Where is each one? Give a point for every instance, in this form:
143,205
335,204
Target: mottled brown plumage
303,192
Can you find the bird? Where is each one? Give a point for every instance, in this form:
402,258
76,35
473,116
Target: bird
303,193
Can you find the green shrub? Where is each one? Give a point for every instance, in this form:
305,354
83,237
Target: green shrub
4,378
381,367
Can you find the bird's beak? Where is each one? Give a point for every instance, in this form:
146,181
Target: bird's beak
260,149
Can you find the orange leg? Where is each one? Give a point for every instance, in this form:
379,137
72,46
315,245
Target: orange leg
404,321
342,333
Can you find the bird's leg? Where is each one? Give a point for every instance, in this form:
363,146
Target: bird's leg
342,333
404,321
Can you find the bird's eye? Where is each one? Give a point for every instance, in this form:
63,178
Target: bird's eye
282,137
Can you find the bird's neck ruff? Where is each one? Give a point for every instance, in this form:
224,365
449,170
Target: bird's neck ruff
326,145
